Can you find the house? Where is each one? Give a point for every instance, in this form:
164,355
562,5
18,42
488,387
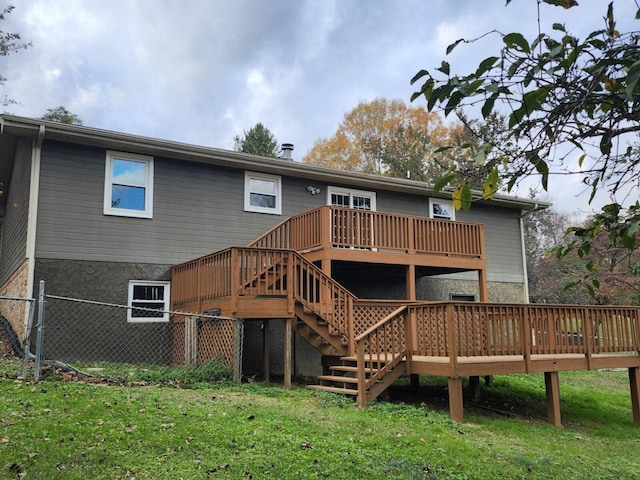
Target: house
120,218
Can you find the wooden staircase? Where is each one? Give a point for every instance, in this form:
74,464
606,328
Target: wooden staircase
344,378
324,312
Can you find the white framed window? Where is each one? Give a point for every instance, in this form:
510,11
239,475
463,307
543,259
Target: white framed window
348,198
148,301
262,193
442,209
128,185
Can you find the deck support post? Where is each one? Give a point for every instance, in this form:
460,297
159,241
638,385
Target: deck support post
265,350
552,386
288,352
456,409
634,383
411,282
483,288
474,387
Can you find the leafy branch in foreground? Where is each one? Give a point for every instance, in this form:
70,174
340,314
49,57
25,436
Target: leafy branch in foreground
573,108
9,43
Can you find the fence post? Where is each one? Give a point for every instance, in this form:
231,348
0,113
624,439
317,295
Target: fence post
40,332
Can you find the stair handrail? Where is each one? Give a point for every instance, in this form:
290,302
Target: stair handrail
381,362
349,300
284,227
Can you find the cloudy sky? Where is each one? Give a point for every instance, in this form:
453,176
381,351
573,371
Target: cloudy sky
203,71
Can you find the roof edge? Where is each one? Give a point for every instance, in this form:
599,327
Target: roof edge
24,126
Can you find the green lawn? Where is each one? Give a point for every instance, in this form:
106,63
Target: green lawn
68,429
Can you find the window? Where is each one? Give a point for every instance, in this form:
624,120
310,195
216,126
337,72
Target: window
442,209
460,297
356,199
149,301
262,193
128,185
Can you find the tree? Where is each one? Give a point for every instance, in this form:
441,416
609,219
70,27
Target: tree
258,141
387,137
9,43
62,115
573,109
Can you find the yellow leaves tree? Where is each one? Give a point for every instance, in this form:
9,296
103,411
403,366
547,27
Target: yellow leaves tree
388,137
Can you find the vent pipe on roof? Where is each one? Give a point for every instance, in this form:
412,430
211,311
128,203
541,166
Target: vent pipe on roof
287,151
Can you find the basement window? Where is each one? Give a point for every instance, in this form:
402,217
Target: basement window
128,185
148,301
459,297
262,193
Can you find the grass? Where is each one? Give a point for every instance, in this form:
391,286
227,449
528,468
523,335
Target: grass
74,430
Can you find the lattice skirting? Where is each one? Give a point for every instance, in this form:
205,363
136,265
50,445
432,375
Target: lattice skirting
200,339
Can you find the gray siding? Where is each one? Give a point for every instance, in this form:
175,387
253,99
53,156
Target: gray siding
16,215
197,209
200,208
86,332
502,241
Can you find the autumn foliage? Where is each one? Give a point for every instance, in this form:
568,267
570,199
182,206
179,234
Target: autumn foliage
388,137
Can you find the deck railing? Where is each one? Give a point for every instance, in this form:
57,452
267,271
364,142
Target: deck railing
250,272
380,349
476,330
336,227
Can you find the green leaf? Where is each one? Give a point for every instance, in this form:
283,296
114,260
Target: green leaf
473,87
633,75
559,27
419,75
638,14
485,65
467,197
605,144
628,237
481,154
453,102
443,182
533,100
443,149
517,41
444,68
581,159
487,108
543,170
454,45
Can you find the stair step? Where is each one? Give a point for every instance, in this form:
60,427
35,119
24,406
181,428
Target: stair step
346,368
324,388
337,379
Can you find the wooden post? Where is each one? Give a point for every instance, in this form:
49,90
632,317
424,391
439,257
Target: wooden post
474,387
552,385
411,282
456,409
266,350
235,279
362,376
288,357
326,232
634,383
482,285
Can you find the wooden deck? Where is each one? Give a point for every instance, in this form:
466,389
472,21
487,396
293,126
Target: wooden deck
381,340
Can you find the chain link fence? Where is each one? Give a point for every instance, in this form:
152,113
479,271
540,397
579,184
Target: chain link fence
85,333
